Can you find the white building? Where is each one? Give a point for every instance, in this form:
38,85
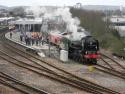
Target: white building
6,20
118,22
28,24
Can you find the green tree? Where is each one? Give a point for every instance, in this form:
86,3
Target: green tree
93,22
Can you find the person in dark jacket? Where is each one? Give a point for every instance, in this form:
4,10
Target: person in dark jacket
32,39
21,37
26,39
11,34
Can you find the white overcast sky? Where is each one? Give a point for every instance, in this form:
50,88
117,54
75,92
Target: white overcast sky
60,2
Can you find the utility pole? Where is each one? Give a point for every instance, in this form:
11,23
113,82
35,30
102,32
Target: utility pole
49,44
48,34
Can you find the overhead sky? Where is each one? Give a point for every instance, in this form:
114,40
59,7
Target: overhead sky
60,2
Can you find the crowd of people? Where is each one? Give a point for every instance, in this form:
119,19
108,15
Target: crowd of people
33,39
30,38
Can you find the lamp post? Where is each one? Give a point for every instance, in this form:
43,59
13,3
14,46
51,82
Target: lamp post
49,37
45,25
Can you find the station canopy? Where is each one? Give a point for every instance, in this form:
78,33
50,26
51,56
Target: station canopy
27,21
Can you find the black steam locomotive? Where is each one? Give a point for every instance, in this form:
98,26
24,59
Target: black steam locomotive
86,50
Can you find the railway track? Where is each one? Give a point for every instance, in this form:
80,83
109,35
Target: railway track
19,85
115,62
76,81
109,68
62,76
52,76
11,82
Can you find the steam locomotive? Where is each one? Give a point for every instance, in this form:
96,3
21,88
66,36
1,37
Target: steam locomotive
86,50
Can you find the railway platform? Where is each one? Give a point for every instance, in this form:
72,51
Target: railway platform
42,48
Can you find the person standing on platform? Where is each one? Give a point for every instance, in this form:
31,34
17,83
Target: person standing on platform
11,35
21,37
26,39
40,39
32,39
36,41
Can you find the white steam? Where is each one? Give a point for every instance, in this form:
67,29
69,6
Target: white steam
72,24
36,11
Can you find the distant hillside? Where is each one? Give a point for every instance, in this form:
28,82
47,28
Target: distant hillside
24,7
3,7
101,7
86,7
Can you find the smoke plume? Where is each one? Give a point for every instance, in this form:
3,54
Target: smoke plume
72,24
